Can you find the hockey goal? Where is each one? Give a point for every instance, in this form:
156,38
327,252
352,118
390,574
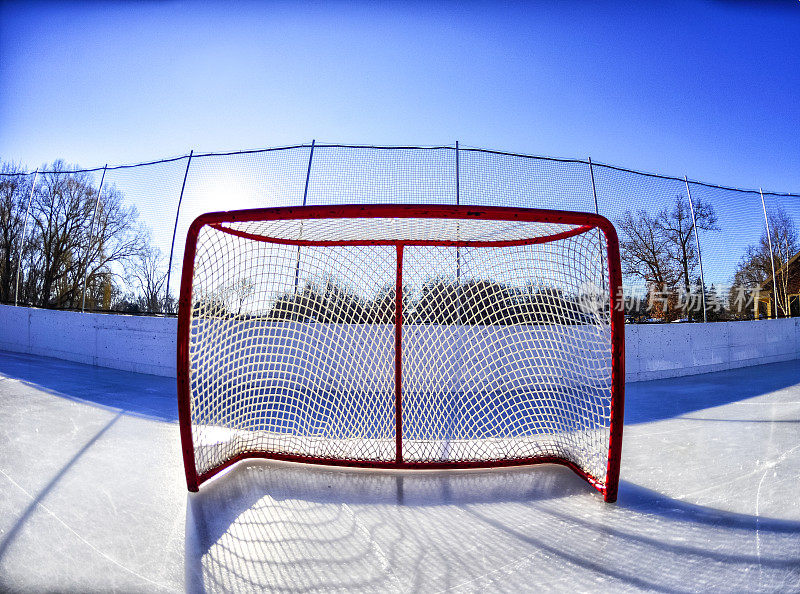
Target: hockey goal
402,336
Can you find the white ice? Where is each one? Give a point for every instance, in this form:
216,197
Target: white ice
93,497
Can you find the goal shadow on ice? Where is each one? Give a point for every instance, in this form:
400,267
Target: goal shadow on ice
280,526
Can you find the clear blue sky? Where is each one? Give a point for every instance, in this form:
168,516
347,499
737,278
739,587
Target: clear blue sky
709,89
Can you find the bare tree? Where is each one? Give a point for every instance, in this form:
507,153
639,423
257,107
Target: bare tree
438,303
755,266
147,273
78,233
116,239
662,251
784,247
644,251
677,228
239,292
61,207
326,301
382,309
14,191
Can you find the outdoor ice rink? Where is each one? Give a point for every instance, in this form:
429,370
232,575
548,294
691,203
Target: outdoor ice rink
93,498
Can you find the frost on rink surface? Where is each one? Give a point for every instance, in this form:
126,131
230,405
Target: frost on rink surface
92,497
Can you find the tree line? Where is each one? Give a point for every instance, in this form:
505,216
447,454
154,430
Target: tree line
660,250
476,302
75,235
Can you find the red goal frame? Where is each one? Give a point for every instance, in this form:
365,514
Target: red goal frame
583,221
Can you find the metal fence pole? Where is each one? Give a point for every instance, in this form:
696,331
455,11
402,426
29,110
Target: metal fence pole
594,189
458,248
697,243
308,172
458,203
305,200
600,239
91,234
24,229
771,255
175,229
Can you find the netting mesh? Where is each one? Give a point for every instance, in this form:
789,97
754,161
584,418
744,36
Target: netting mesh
402,230
290,362
505,349
521,367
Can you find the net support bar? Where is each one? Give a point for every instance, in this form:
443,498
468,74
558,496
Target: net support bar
398,357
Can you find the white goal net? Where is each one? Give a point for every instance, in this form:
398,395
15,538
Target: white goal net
400,337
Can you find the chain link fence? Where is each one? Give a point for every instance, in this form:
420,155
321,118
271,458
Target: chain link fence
111,238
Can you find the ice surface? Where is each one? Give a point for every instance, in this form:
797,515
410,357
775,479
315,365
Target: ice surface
92,497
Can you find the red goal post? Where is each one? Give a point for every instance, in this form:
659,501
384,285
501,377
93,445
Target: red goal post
402,336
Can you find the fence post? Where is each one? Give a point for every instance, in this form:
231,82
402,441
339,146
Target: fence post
458,184
458,248
24,229
594,189
771,257
305,200
597,211
308,172
697,243
91,233
458,203
175,228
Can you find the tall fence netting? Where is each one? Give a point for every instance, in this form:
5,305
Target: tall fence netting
112,238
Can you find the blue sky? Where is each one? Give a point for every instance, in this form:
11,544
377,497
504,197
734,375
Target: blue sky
707,89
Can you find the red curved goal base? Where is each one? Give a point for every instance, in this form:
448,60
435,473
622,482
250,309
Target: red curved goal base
609,491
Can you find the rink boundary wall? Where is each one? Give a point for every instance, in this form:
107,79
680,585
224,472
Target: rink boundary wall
148,344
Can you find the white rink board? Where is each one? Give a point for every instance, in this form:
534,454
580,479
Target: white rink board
147,344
